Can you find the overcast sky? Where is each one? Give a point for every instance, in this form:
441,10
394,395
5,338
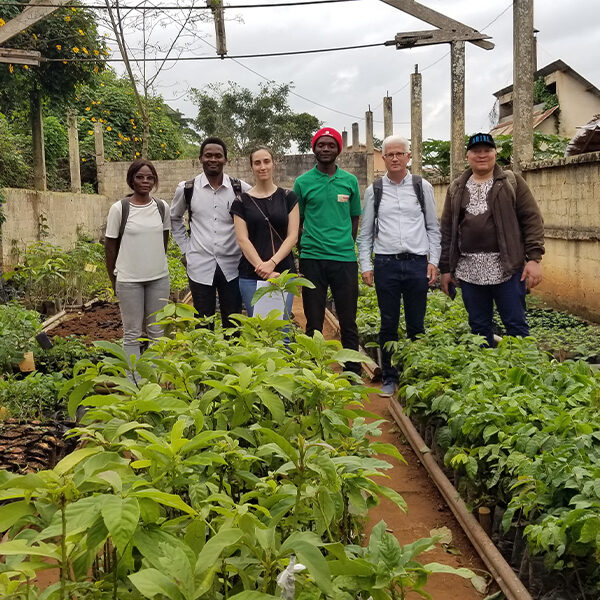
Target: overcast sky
351,80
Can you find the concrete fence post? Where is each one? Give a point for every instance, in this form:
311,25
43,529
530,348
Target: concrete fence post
74,151
100,167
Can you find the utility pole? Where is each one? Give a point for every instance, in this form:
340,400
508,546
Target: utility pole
369,145
416,122
457,108
216,7
523,68
388,116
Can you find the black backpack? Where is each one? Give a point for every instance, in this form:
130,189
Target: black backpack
188,192
417,182
125,213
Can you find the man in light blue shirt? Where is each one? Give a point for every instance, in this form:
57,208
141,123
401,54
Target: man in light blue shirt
400,226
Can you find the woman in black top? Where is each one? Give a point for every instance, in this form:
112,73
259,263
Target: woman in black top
266,221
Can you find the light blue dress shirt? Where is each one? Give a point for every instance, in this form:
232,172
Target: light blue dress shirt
402,225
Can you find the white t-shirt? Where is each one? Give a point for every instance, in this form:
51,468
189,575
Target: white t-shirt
142,252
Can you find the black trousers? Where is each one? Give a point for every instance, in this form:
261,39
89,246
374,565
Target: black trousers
342,277
205,297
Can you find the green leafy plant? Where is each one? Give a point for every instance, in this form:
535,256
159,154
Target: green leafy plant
19,327
33,397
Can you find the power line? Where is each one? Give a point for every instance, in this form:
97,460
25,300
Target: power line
193,7
224,57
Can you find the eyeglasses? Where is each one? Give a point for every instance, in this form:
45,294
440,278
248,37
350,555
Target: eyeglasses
392,155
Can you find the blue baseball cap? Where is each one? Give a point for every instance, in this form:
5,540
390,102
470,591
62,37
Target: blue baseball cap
481,138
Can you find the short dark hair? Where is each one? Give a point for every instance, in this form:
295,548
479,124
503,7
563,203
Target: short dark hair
213,140
265,148
135,166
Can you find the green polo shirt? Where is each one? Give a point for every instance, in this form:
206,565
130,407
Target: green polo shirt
326,205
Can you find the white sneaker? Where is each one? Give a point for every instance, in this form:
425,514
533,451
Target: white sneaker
388,389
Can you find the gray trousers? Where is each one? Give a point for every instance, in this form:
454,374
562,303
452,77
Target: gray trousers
138,301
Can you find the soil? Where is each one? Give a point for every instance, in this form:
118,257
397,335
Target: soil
426,509
100,322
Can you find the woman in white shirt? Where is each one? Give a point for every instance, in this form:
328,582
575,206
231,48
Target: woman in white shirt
137,234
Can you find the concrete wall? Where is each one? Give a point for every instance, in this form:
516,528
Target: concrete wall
568,192
62,215
577,104
171,172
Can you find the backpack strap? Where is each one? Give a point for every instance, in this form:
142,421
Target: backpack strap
188,192
124,215
377,194
161,209
417,182
236,184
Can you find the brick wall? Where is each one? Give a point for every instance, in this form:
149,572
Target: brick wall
63,215
171,172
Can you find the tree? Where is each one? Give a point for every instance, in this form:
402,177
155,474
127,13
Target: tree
65,34
436,156
244,119
109,100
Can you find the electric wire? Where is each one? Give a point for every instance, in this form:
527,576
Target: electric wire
144,8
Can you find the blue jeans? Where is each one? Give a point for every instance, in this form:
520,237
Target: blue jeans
399,277
247,289
510,302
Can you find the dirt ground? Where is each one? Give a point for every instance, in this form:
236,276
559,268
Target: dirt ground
426,507
100,322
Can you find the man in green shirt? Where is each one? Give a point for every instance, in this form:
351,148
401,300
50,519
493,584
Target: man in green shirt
329,201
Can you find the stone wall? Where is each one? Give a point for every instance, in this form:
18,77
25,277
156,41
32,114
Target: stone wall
568,192
61,216
171,172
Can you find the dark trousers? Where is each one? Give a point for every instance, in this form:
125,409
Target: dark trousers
510,302
205,297
399,278
342,277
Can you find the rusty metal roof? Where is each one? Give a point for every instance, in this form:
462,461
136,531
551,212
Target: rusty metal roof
506,127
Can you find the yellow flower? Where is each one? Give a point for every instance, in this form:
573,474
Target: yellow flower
2,22
134,126
25,67
101,85
82,119
98,101
85,50
75,49
96,69
11,68
109,128
81,31
58,47
163,145
34,36
93,119
88,108
119,143
90,132
73,9
67,18
83,160
135,139
137,153
93,102
64,62
96,52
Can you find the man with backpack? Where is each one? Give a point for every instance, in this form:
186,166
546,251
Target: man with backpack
492,241
400,226
210,247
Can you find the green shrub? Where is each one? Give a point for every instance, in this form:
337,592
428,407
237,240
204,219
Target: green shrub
19,327
33,397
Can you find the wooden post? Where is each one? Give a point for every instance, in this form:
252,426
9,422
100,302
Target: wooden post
100,171
355,138
388,117
369,144
74,151
522,83
37,139
344,140
416,122
457,108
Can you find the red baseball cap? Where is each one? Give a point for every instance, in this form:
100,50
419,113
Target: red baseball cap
336,135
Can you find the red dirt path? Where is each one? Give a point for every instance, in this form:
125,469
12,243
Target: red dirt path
426,508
